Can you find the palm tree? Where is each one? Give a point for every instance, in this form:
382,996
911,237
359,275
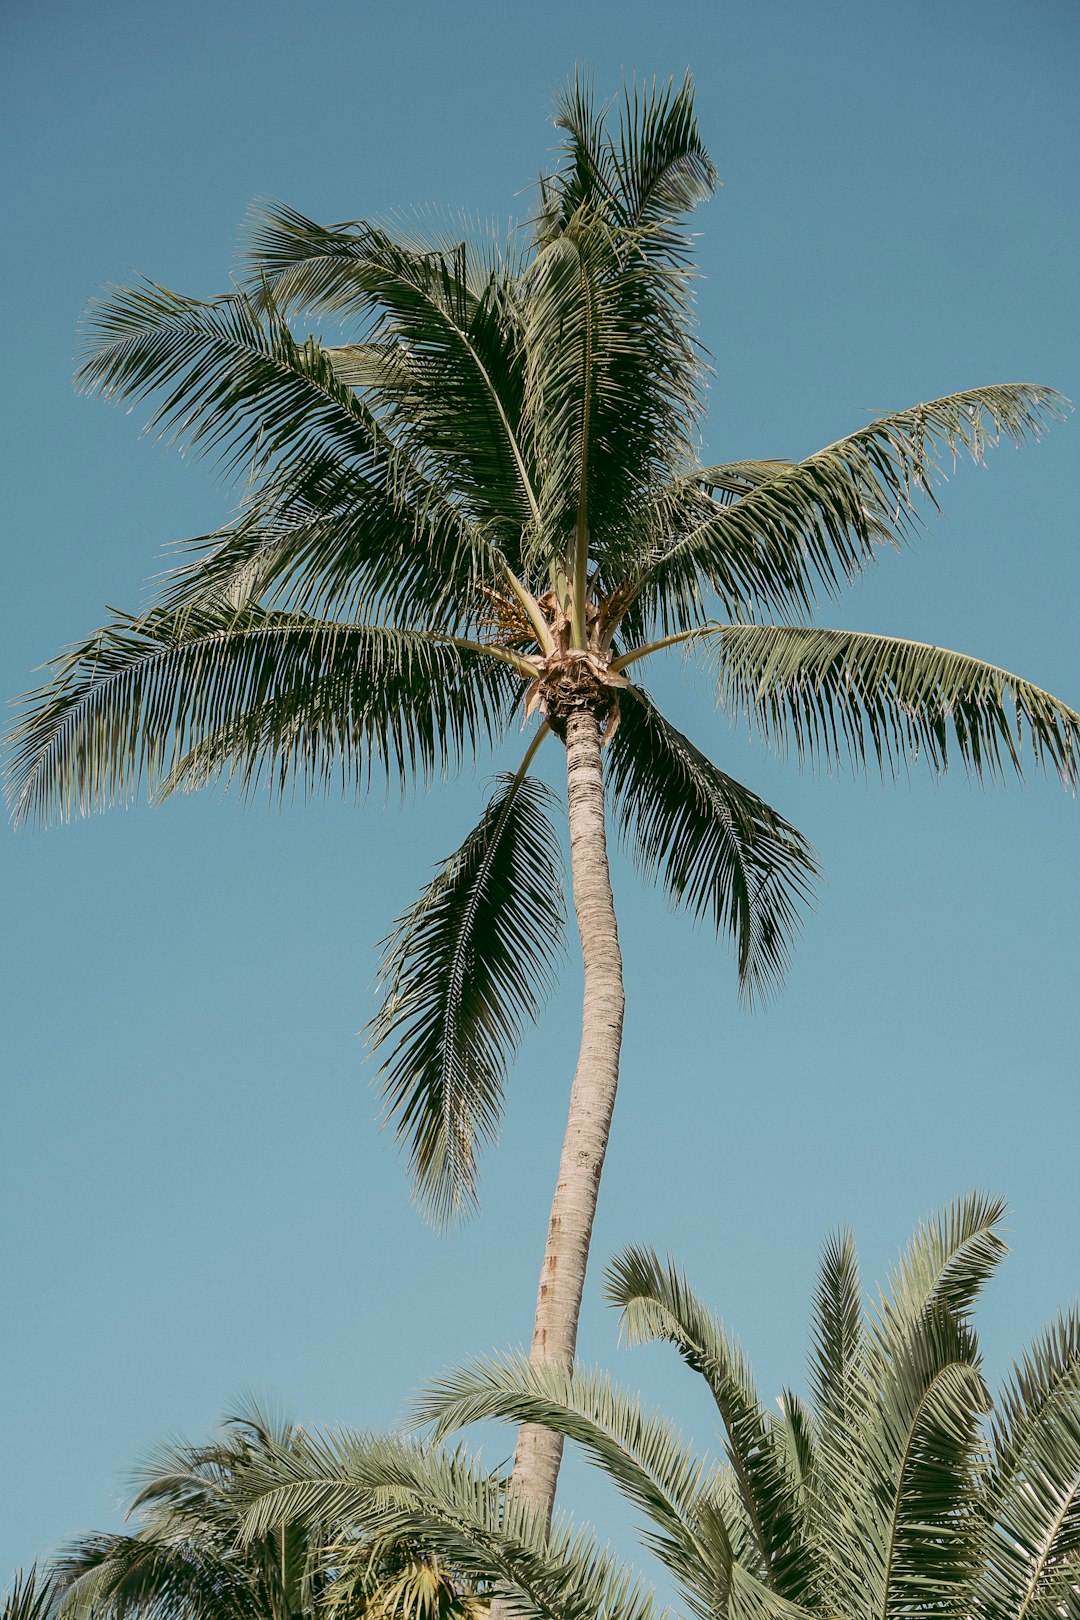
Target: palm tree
902,1487
186,1561
485,508
182,1563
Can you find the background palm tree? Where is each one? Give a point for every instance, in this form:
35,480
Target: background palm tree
188,1560
900,1487
489,507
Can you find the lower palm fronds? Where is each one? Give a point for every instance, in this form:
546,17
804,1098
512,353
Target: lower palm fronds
193,1558
464,970
718,849
400,1490
182,1562
902,1489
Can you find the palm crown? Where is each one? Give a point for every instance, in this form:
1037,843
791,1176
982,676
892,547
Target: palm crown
489,504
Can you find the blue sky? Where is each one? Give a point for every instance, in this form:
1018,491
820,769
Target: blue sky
196,1200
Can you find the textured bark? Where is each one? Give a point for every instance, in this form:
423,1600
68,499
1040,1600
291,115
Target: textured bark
592,1098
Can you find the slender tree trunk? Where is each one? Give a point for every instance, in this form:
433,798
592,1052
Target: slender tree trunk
592,1098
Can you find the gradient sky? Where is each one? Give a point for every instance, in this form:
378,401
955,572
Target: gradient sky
197,1201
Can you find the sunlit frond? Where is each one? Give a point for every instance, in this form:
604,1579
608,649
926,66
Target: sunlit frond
448,384
403,1490
844,696
1032,1552
815,524
642,175
657,1303
636,1448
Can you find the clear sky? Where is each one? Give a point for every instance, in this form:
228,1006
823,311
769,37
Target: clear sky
196,1200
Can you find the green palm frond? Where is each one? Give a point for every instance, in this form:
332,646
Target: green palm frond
417,1587
1032,1551
636,1448
920,1513
816,523
448,386
643,176
846,696
154,1577
656,1303
719,850
235,381
837,1336
795,1427
946,1266
185,696
402,1490
901,1399
183,1563
695,1522
231,379
324,544
31,1596
613,376
612,386
463,971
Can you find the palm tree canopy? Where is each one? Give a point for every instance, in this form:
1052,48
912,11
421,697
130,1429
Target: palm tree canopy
488,502
189,1559
900,1487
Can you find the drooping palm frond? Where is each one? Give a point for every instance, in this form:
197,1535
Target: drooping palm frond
402,1490
718,849
694,1519
656,1302
843,696
816,523
636,1448
269,698
463,971
234,380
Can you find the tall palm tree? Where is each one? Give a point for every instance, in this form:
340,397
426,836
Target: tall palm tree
186,1560
488,508
902,1487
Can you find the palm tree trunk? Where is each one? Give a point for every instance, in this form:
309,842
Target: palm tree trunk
592,1099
